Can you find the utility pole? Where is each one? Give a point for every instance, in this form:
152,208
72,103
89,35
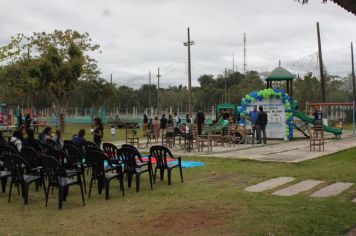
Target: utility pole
158,77
245,62
149,90
233,62
353,72
188,44
111,79
225,82
322,79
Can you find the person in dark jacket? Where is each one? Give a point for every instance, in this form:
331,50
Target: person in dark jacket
32,142
79,139
261,125
163,124
200,118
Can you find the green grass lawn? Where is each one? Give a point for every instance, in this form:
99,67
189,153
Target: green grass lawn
211,201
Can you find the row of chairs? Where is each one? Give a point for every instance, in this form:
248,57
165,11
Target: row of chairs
61,168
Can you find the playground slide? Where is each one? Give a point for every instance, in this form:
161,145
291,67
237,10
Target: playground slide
217,127
310,120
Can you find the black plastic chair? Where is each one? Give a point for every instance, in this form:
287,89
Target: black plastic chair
19,167
112,152
76,160
57,177
95,160
34,160
160,153
134,167
53,143
47,148
10,149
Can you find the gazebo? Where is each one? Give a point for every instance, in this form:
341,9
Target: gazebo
280,75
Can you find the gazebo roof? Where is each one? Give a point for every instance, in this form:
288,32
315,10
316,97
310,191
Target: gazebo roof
280,74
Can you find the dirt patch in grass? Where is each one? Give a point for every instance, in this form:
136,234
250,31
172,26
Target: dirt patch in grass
188,220
352,232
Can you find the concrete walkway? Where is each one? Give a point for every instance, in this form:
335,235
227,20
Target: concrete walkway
292,151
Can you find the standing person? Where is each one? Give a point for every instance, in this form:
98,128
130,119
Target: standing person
156,127
176,122
113,132
27,121
170,119
145,123
187,119
261,125
226,114
19,121
163,123
98,131
35,123
253,115
318,117
200,118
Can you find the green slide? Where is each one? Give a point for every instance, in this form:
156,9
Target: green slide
217,127
310,120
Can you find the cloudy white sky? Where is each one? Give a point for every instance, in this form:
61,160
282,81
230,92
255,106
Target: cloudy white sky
137,36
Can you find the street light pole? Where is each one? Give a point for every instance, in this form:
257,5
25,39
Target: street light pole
188,44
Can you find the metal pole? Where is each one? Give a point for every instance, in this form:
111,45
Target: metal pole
158,101
353,73
322,80
353,118
149,90
189,76
188,44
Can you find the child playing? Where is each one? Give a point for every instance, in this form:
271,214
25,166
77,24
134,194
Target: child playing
113,132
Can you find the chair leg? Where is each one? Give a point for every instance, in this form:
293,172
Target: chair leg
65,193
161,171
100,185
83,174
47,192
181,173
60,197
81,191
169,171
129,180
121,179
3,184
10,190
150,176
137,183
24,189
107,188
90,186
154,176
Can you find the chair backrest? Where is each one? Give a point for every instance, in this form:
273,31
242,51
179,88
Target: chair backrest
47,148
170,128
9,149
17,166
31,156
68,142
130,146
95,160
13,146
61,156
90,144
111,151
128,156
160,153
54,170
75,155
53,143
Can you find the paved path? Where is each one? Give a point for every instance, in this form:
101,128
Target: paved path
269,184
332,190
292,152
298,188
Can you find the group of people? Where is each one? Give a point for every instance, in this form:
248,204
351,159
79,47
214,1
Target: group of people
259,121
25,122
19,138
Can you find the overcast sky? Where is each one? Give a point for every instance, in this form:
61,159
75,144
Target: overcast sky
137,36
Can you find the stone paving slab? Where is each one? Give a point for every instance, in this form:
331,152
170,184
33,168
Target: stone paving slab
332,189
354,200
298,188
269,184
